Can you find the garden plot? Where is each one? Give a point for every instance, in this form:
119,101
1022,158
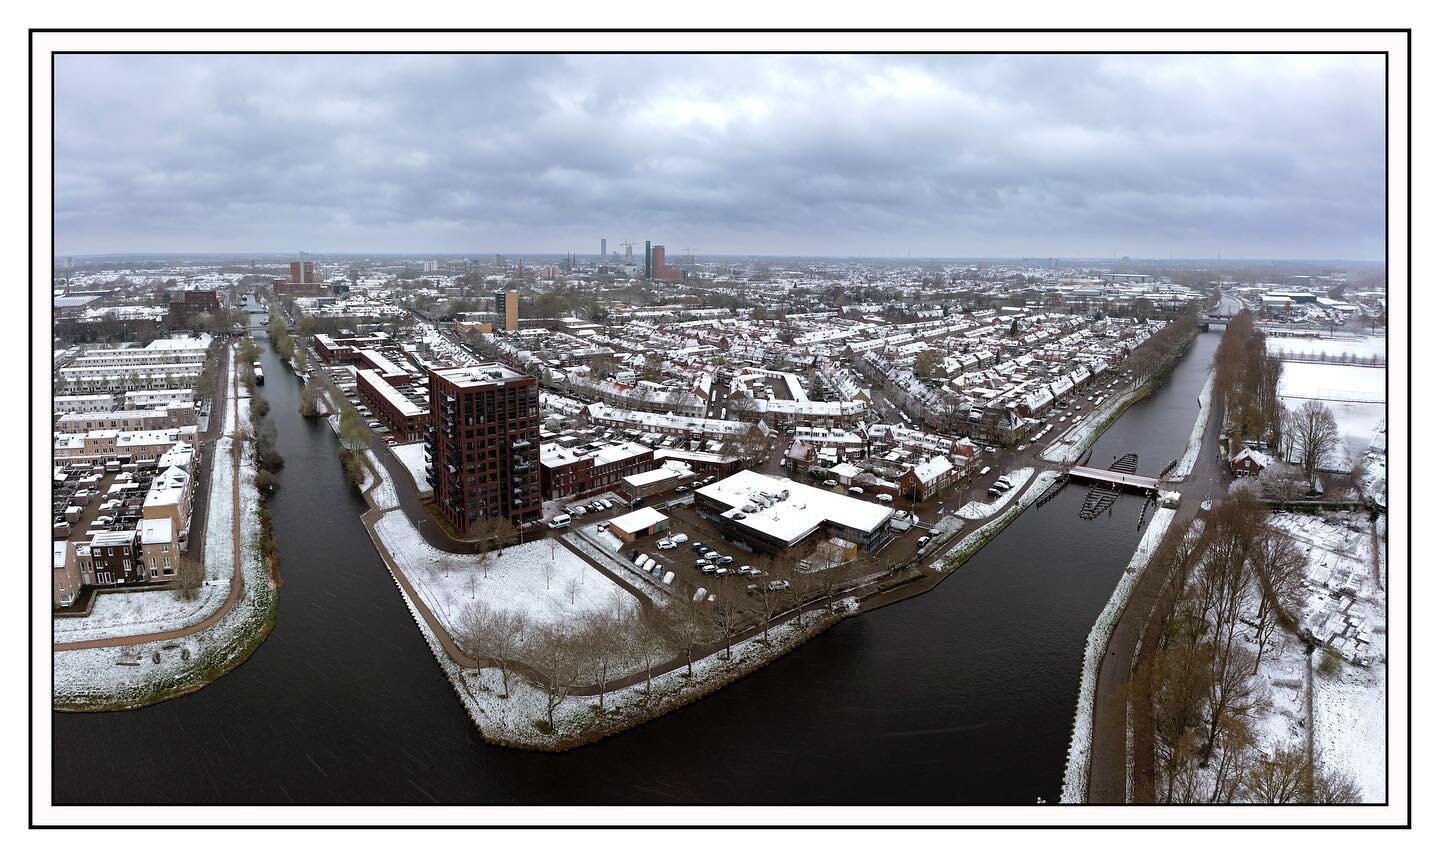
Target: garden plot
124,614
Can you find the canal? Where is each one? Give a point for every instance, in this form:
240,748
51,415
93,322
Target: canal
961,696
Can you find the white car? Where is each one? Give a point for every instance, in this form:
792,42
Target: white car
664,545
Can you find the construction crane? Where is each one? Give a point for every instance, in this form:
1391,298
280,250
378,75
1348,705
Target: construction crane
689,258
627,245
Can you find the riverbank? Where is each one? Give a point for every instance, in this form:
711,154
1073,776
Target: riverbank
1197,433
1077,761
141,670
1088,430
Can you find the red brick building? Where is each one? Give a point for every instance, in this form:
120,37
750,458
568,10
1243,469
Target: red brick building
483,443
405,419
185,306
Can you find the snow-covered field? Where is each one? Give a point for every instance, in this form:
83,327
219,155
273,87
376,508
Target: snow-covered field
1339,346
119,614
545,580
413,457
1357,421
1077,761
1350,726
979,509
1328,381
382,493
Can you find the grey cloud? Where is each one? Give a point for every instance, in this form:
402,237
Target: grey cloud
945,155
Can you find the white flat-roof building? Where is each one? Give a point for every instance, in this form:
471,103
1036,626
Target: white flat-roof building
776,514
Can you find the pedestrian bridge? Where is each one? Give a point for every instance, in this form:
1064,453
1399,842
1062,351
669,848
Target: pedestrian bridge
1115,478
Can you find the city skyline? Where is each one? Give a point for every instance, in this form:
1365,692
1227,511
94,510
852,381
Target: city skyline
956,156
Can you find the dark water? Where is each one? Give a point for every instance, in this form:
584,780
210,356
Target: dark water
963,695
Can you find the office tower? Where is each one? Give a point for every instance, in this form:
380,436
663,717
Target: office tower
647,260
483,443
657,262
602,249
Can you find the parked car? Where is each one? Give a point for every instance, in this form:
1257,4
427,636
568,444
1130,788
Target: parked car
600,528
726,558
678,538
922,542
830,484
884,498
682,489
710,555
855,490
390,440
709,569
781,584
664,545
697,547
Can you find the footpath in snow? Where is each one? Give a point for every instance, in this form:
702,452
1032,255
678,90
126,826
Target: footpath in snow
1077,762
1197,433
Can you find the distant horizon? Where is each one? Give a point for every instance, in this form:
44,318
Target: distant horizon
274,256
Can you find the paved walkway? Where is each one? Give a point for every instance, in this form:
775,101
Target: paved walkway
237,580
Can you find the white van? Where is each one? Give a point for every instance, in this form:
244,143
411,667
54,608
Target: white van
559,521
985,470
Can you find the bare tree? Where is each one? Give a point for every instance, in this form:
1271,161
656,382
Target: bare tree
1313,436
1283,779
647,640
1280,572
767,602
1332,786
733,612
602,645
498,635
689,625
189,578
554,652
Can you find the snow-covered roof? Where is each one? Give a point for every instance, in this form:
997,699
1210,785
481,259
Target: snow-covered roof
640,519
794,510
155,531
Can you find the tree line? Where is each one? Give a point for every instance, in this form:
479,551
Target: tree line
1231,586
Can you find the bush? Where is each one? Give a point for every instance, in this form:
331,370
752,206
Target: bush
1330,662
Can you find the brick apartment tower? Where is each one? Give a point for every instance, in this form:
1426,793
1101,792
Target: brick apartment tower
657,262
483,442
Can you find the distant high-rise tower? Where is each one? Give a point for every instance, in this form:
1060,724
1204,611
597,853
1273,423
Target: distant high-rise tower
647,260
602,248
657,262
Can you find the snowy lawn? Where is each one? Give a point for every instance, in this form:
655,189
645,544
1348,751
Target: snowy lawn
1350,725
119,614
544,580
975,510
413,457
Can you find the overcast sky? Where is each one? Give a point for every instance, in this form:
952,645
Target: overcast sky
1191,156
